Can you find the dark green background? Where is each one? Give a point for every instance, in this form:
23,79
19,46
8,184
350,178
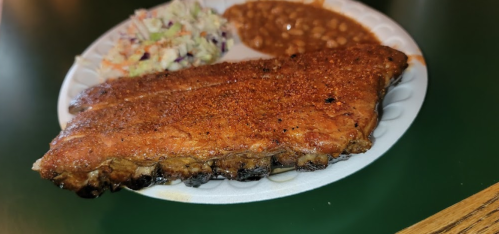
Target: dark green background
449,153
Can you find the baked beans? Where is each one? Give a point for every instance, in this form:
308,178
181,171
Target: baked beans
284,28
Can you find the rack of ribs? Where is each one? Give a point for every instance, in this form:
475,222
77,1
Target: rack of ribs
234,120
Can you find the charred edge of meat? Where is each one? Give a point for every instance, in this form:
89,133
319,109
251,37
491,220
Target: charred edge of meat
396,81
379,105
197,180
252,174
192,173
139,183
379,111
242,168
90,191
342,157
312,162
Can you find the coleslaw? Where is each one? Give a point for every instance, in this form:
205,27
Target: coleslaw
171,37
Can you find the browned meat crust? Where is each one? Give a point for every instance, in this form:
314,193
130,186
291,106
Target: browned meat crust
238,120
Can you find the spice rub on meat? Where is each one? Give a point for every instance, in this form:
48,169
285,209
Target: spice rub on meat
237,120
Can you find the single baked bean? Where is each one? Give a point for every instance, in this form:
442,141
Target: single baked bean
343,27
285,35
341,40
318,29
291,50
299,22
295,32
331,33
258,41
333,24
331,44
276,10
286,27
317,35
282,19
299,43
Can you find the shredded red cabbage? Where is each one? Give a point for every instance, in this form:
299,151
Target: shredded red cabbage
145,56
179,59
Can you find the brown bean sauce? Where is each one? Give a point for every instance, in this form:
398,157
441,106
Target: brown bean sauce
283,28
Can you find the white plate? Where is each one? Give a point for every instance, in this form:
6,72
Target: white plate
400,107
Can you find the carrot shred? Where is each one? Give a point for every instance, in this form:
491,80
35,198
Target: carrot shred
182,33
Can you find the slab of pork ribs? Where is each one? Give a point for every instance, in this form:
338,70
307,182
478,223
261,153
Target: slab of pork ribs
236,120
